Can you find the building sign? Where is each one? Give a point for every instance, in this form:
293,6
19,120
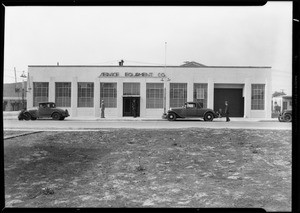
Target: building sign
132,74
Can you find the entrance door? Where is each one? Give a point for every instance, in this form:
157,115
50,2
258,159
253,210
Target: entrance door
235,98
127,106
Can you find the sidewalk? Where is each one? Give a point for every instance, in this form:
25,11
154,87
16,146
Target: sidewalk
14,116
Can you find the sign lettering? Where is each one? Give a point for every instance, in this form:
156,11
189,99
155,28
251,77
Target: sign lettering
131,74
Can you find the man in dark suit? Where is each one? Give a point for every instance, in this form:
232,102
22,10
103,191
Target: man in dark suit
227,111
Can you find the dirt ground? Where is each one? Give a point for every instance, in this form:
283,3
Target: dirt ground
200,168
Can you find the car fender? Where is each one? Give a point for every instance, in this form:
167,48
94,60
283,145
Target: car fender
177,114
56,111
210,111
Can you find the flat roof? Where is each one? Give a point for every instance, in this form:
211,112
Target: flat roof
149,66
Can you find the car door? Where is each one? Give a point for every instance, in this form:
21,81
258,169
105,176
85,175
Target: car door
191,110
42,110
200,110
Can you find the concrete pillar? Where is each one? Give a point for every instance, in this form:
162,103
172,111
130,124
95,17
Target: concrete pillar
268,98
74,99
247,98
120,98
143,98
190,91
210,93
51,97
97,97
29,96
167,86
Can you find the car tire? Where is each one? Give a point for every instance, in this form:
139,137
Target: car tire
27,116
280,119
208,117
287,117
56,116
171,117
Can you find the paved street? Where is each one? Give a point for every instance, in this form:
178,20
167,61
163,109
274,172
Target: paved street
72,124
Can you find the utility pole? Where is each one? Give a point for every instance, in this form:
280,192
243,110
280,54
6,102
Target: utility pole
23,89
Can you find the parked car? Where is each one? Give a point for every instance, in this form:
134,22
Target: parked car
285,116
192,110
44,110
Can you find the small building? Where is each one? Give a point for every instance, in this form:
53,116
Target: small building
155,89
281,103
12,96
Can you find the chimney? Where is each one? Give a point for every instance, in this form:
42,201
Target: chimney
121,63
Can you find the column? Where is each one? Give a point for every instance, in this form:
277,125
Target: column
120,98
268,98
210,93
97,97
74,93
29,95
167,85
52,89
247,98
143,98
190,91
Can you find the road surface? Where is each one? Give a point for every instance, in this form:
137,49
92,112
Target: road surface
138,124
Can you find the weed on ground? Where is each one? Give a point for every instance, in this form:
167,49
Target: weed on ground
150,168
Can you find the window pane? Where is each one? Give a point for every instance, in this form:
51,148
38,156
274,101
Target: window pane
85,94
178,94
257,96
108,93
63,94
154,95
40,92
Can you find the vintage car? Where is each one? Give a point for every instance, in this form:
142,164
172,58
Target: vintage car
44,110
192,110
285,116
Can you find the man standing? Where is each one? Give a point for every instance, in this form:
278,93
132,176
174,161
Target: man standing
102,109
227,111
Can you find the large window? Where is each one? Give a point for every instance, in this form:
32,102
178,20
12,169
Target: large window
258,96
154,95
85,94
131,89
178,94
108,93
63,94
40,92
200,94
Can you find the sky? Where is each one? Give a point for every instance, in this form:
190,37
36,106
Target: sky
104,35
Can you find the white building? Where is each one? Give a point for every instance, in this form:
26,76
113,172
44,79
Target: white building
284,102
155,88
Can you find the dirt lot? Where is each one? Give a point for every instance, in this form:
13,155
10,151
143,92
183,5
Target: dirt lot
150,168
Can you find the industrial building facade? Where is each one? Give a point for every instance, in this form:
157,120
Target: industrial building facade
80,89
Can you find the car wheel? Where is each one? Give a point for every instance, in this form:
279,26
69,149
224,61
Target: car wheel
27,116
55,116
171,117
208,116
287,117
280,119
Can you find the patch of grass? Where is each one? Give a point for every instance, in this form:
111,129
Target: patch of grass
200,168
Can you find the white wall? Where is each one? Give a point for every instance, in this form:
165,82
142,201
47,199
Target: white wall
244,76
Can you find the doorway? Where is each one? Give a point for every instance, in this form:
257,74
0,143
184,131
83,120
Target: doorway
127,106
235,99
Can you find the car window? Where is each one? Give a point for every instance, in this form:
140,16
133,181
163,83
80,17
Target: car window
190,105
